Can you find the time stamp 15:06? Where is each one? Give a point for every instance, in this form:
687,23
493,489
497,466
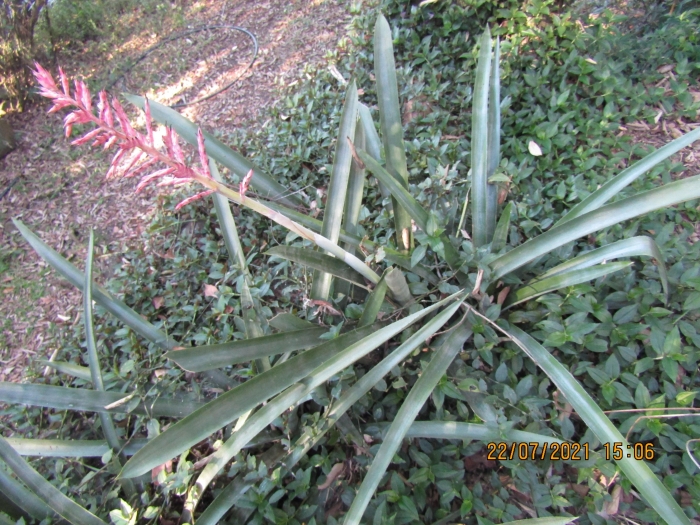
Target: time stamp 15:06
566,451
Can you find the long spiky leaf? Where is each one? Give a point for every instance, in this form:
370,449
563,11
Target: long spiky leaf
668,195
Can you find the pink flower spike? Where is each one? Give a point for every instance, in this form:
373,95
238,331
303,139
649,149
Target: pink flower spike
69,129
203,159
78,91
115,163
64,82
147,164
179,156
105,110
46,81
196,197
149,124
183,172
132,162
152,176
168,142
85,96
123,119
59,105
87,137
100,140
110,142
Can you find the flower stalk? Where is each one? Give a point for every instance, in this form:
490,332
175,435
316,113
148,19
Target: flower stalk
137,152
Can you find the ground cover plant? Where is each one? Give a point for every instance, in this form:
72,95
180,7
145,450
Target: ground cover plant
624,338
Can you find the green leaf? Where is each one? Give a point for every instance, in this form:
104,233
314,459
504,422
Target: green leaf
81,372
373,144
480,146
672,343
692,302
375,300
217,150
108,429
224,501
418,254
500,236
411,205
76,448
234,403
286,322
283,220
392,256
624,248
494,140
227,223
53,497
540,286
396,282
668,195
368,381
64,398
404,418
24,498
356,185
353,202
545,521
318,261
295,393
390,121
629,175
116,307
595,419
337,187
201,358
473,431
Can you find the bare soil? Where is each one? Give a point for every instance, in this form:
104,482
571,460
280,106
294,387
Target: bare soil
60,192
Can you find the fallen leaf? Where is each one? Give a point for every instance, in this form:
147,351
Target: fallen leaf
610,508
210,291
158,302
335,472
167,467
502,295
666,68
534,149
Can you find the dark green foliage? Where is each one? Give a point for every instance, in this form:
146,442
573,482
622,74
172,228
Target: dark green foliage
18,19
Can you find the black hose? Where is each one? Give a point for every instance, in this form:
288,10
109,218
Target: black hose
183,34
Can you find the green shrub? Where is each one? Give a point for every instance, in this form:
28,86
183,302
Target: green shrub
17,21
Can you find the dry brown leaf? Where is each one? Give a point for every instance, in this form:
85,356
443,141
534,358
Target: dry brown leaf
167,467
502,295
611,507
335,472
210,291
158,302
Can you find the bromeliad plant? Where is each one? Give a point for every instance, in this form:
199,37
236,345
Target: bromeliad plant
476,278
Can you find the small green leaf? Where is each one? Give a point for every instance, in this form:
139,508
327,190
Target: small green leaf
672,343
418,254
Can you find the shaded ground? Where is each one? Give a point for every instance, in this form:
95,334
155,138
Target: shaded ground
60,192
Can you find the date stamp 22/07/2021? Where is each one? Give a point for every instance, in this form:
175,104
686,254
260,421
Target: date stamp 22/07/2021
566,451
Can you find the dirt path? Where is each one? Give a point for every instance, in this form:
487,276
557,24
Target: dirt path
60,192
